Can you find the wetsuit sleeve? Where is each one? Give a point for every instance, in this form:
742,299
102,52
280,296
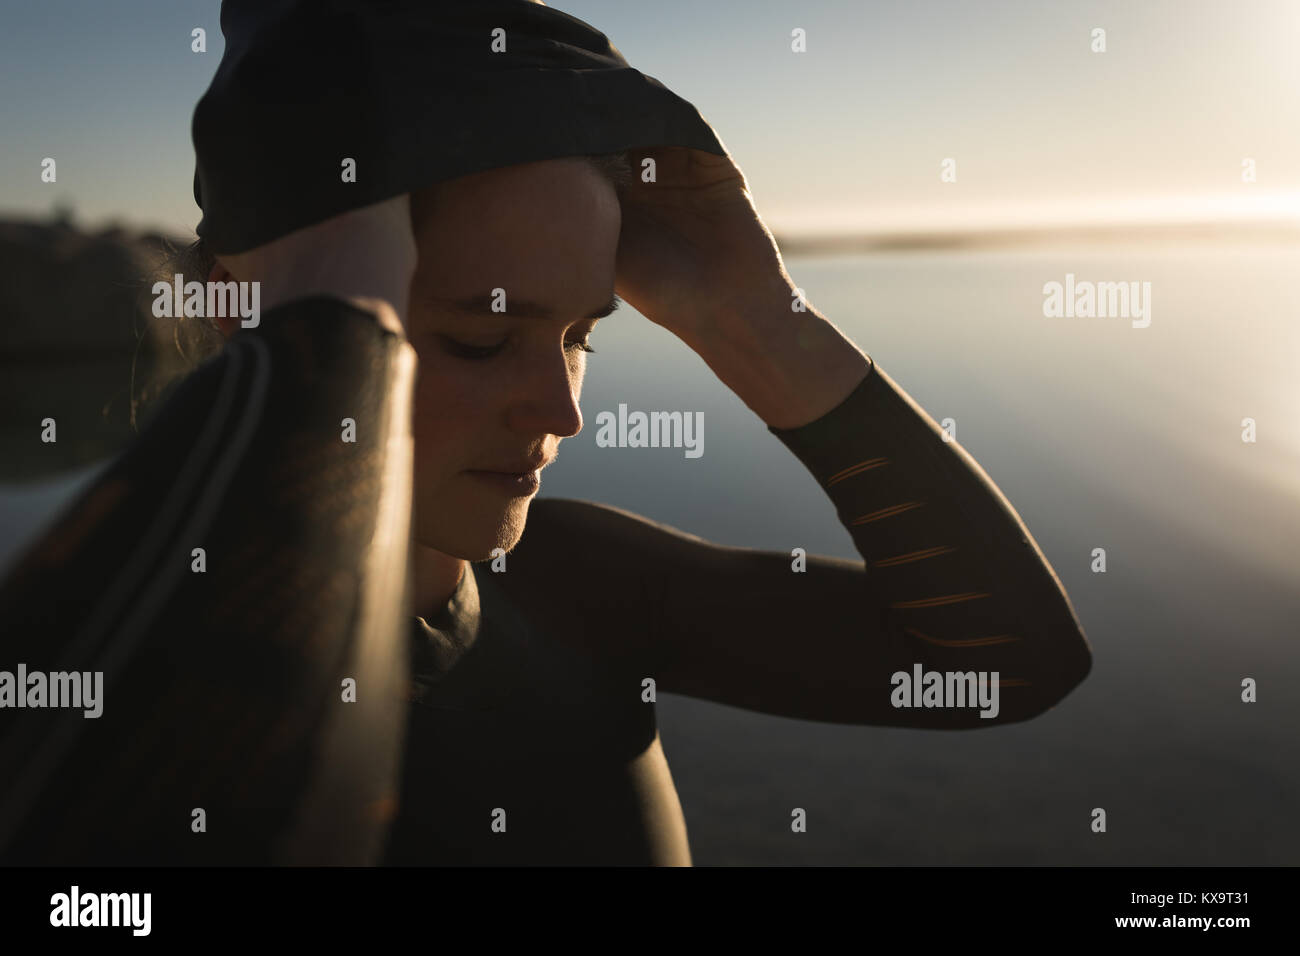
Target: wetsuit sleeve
231,591
950,580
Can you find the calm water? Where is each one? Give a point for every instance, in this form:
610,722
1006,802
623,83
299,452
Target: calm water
1101,435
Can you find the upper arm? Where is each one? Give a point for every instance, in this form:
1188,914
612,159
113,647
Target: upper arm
735,625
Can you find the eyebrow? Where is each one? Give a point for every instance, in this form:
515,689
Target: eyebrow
519,308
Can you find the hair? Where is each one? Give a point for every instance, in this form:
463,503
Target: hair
616,167
198,338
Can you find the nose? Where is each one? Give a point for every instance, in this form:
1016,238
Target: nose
546,398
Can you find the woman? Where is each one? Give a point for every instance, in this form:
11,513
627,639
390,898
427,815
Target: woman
541,628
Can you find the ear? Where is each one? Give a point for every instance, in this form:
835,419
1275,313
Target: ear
227,323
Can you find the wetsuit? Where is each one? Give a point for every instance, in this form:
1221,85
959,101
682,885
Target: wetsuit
529,736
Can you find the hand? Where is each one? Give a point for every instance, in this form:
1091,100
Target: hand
365,255
693,249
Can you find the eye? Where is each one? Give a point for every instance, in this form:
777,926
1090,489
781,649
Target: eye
477,352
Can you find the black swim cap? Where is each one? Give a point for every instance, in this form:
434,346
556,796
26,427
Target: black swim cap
414,92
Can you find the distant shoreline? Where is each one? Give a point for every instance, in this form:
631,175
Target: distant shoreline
1281,231
18,227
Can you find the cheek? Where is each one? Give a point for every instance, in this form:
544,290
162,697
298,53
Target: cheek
453,411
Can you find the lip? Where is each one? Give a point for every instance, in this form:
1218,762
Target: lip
520,466
516,484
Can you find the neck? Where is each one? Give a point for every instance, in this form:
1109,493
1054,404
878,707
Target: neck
436,578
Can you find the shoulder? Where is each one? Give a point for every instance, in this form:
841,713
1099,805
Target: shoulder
593,572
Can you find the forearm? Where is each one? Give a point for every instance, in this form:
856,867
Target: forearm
960,581
789,367
952,579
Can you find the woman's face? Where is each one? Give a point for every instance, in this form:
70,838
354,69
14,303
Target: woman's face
546,234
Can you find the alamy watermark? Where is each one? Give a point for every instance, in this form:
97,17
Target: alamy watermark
240,300
655,430
102,909
946,689
1087,300
84,689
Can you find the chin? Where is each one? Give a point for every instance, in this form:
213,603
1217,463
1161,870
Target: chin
474,529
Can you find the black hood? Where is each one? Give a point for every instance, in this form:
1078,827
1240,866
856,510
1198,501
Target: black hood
413,91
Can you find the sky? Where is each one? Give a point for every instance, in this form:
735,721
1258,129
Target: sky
846,137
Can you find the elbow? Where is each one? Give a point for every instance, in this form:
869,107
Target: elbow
1075,664
1082,666
1069,668
1060,656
